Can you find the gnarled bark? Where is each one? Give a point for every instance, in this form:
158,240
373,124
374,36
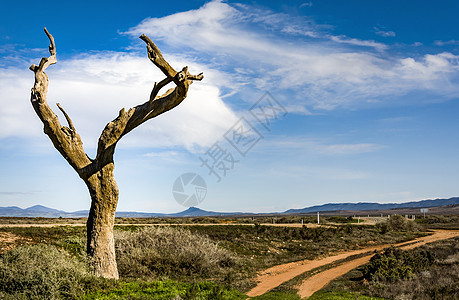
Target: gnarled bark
97,173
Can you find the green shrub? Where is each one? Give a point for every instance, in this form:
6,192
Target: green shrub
437,281
341,295
395,264
171,252
341,219
398,223
41,272
287,295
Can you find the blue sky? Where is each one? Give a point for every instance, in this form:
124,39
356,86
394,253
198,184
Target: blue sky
370,90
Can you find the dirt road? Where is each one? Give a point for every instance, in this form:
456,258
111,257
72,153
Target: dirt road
277,275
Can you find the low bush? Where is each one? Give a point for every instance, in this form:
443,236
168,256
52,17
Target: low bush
170,252
341,219
398,223
440,222
41,272
341,295
395,264
290,295
432,279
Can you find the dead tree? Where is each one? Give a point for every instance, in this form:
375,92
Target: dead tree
97,173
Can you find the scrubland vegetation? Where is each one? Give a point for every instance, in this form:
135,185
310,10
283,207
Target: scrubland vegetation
427,272
220,262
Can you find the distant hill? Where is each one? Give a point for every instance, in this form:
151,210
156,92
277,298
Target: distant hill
46,212
374,206
33,211
197,212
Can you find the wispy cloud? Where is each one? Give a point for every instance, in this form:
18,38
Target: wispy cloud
444,43
320,147
384,33
306,4
94,87
321,173
356,42
16,193
319,71
243,51
395,120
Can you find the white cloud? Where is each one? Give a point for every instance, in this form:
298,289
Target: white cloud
17,117
306,4
344,149
384,33
320,147
356,42
94,87
319,70
434,72
444,43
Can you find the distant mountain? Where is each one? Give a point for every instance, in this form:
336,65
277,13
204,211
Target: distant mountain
43,211
10,211
190,212
46,212
374,206
33,211
197,212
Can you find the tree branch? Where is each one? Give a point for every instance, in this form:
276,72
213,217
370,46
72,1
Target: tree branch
155,55
158,87
156,105
69,121
65,140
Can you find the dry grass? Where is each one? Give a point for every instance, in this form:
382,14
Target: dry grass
41,272
160,252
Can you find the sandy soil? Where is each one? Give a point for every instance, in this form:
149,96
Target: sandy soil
277,275
8,241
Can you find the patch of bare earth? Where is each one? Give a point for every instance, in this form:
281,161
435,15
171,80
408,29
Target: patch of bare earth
275,276
8,241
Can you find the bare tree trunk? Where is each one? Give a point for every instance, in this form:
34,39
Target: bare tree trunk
98,173
100,240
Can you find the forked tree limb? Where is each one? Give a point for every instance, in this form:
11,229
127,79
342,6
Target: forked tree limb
65,140
68,142
156,105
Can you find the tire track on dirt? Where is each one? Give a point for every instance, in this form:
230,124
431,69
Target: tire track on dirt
275,276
